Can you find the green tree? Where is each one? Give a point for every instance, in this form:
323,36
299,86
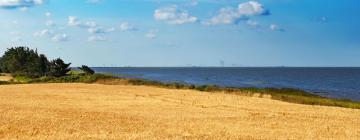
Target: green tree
22,61
44,64
27,62
0,64
58,68
87,70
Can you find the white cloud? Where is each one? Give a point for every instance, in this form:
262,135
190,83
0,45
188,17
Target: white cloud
274,27
45,32
48,14
50,23
229,15
92,26
151,34
226,16
97,38
20,3
125,26
252,8
322,19
60,38
73,21
252,23
56,37
173,15
96,30
100,30
23,9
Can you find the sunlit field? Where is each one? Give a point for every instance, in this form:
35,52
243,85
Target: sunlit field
95,111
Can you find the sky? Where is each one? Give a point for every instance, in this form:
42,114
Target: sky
173,33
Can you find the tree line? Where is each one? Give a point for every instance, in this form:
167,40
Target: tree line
28,62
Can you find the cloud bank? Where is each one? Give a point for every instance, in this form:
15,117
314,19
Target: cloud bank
173,15
244,11
20,3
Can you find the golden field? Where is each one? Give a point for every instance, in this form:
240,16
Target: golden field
95,111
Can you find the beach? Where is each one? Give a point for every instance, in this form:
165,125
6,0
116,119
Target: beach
97,111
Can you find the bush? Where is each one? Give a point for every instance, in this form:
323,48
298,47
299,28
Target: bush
58,68
87,70
4,83
209,88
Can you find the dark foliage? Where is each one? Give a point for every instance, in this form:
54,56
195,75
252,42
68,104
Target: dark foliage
58,68
87,70
22,61
27,62
44,64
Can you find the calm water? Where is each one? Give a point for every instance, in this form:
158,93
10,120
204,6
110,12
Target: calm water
330,82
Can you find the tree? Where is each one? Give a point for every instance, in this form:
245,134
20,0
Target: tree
87,70
44,64
23,61
58,68
27,62
0,64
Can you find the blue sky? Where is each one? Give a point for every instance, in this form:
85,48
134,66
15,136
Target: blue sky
186,32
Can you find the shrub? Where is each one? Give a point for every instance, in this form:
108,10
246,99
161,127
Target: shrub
4,83
209,88
58,68
87,70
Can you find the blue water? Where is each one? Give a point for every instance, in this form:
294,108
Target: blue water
341,83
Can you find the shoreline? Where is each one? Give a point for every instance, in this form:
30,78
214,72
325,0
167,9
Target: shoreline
284,94
339,83
316,93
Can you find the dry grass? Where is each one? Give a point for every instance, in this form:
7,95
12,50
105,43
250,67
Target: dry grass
94,111
5,77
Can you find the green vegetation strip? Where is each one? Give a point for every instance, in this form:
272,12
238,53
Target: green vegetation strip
284,94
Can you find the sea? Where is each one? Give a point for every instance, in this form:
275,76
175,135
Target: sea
341,83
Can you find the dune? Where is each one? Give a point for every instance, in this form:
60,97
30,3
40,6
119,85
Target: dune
95,111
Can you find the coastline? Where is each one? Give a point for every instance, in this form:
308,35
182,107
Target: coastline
338,83
284,94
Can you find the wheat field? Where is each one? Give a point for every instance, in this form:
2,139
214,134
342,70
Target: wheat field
95,111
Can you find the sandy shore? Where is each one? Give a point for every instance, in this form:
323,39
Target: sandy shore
93,111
